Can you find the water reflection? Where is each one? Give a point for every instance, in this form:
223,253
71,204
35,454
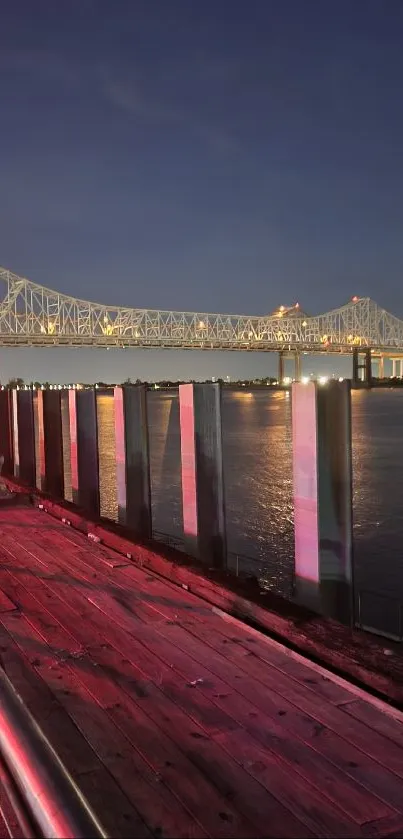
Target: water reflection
258,484
378,489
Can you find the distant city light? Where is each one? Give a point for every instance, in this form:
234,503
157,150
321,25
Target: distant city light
323,380
286,380
305,380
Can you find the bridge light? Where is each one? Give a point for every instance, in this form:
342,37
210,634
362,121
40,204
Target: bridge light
324,338
105,318
354,299
202,325
350,337
304,323
282,309
297,305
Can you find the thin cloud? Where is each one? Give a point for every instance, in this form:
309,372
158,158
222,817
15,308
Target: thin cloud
132,100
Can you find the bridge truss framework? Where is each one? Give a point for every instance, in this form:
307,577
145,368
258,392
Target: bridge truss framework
32,315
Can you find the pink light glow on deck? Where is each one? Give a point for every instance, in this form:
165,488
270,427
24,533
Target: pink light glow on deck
304,436
188,459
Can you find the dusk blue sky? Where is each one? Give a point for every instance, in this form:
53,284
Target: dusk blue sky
221,155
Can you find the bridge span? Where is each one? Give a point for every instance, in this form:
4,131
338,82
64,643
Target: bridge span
32,315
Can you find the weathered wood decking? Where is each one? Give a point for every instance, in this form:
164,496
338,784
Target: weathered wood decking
174,721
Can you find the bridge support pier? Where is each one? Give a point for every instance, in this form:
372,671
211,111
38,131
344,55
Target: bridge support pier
296,357
381,367
84,450
281,364
133,459
397,367
203,501
322,475
362,367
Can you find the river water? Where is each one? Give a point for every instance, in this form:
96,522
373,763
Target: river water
258,487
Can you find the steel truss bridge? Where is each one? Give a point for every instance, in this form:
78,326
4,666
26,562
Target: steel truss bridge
32,315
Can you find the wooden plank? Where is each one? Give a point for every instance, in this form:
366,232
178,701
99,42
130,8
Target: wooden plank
261,648
155,803
48,627
385,752
352,798
239,825
110,745
229,779
254,664
72,748
246,645
392,826
340,655
318,814
297,831
137,625
375,720
314,682
119,817
6,605
221,817
320,773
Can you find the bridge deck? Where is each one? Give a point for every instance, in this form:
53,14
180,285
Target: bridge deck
174,721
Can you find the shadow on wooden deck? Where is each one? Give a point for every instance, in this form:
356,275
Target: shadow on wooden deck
174,721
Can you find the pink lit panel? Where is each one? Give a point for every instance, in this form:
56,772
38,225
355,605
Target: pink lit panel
73,441
16,448
188,460
304,444
41,436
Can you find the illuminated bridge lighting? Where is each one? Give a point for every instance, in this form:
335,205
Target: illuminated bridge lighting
32,315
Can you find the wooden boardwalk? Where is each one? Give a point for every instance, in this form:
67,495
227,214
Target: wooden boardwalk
174,721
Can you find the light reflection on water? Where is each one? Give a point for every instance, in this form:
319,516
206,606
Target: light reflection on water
258,481
378,490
